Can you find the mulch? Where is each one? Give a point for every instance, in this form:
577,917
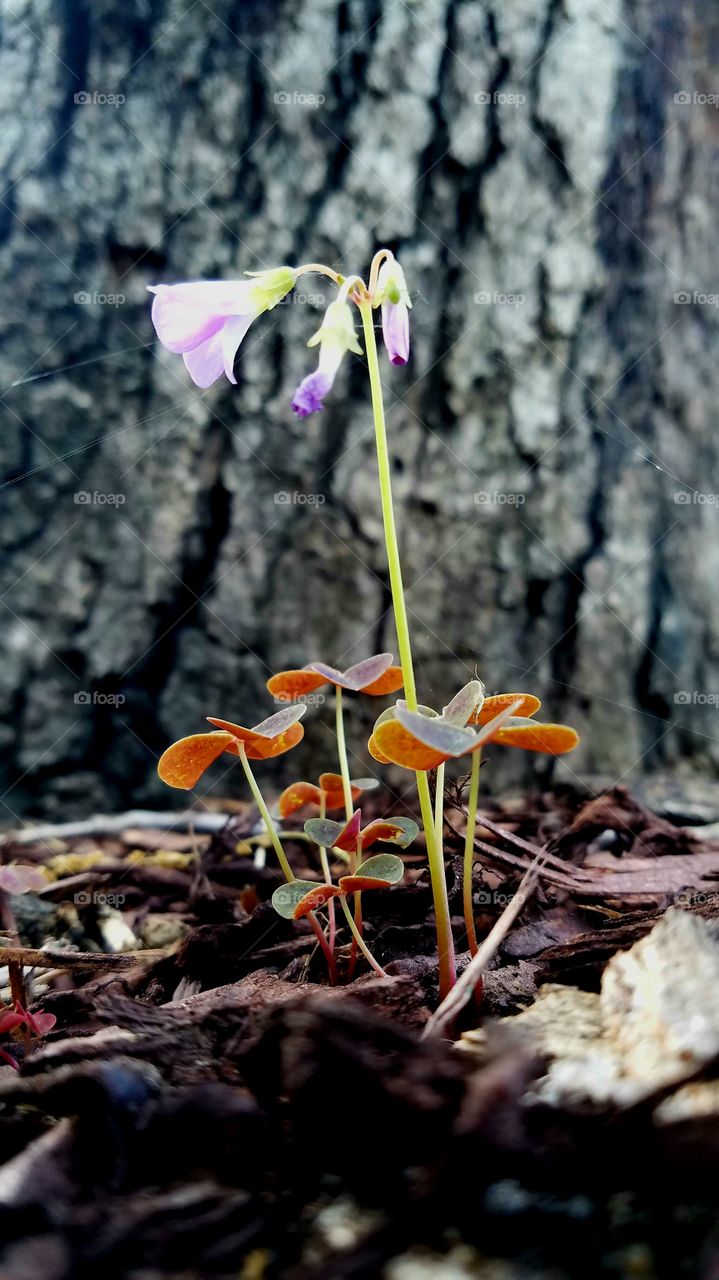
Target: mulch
207,1105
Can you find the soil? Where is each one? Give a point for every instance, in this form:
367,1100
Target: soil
207,1105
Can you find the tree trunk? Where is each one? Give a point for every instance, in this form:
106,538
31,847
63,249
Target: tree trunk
553,437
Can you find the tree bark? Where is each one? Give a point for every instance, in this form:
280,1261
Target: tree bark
553,437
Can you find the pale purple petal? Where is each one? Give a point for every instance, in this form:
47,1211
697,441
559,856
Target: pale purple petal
206,363
185,315
233,332
309,396
395,331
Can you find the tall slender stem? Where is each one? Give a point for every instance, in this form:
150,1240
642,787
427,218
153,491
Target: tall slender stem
357,936
469,852
390,529
342,752
445,944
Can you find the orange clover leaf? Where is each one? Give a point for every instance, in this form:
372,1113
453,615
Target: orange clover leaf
183,763
375,675
299,794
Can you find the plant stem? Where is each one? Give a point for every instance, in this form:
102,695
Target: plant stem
385,488
328,880
469,851
264,811
347,792
357,936
445,944
342,752
282,857
439,805
8,926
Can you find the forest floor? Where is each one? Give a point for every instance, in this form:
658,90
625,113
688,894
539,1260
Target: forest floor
206,1105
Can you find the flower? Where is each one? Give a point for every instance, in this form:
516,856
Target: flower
336,335
187,759
374,675
206,320
422,739
330,790
393,296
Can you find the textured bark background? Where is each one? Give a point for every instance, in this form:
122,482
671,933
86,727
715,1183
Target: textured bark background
549,197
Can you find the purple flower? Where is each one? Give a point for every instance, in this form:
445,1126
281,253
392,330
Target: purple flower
336,335
206,320
394,298
309,396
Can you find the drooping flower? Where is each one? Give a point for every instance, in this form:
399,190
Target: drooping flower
206,320
184,763
336,335
422,739
328,793
374,675
394,299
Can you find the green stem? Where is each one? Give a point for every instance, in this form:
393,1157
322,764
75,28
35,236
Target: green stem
469,851
439,805
342,752
357,936
282,857
264,811
445,945
385,488
445,942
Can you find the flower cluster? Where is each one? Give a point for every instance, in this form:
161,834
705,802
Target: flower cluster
205,322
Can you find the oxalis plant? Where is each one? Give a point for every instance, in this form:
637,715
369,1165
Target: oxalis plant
205,322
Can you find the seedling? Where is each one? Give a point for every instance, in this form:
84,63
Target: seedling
205,322
184,763
33,1024
16,878
424,739
376,676
296,900
327,793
